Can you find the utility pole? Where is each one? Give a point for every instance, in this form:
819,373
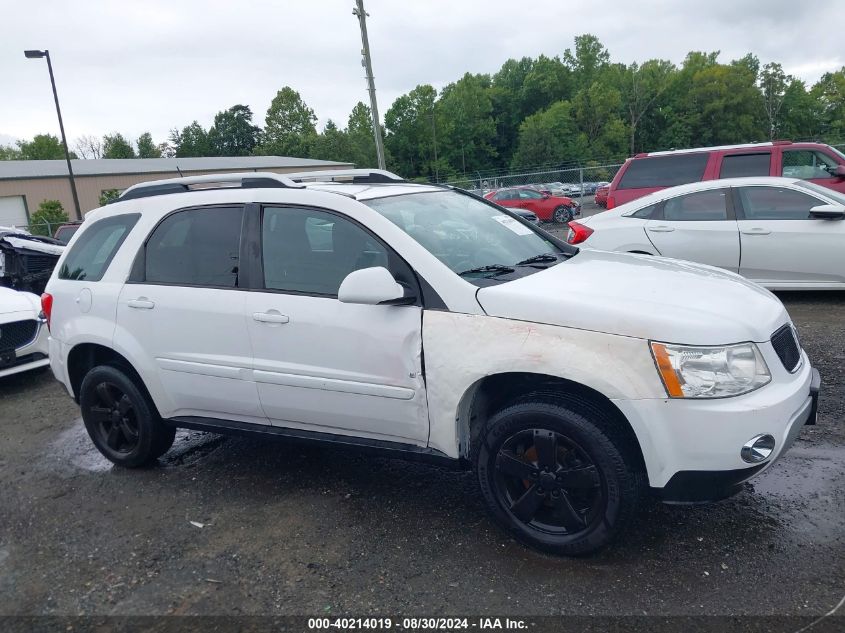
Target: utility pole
371,86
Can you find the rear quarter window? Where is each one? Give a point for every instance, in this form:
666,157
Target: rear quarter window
664,171
89,258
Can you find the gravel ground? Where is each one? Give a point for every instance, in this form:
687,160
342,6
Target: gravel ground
282,529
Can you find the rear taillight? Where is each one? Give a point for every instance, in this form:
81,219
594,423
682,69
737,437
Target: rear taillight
610,202
47,307
578,233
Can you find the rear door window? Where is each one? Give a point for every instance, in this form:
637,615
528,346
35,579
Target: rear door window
196,247
92,253
743,165
664,171
698,206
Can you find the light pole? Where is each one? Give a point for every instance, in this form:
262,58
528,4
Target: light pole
45,53
359,12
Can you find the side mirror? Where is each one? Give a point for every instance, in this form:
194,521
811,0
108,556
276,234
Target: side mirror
828,212
545,194
839,171
372,286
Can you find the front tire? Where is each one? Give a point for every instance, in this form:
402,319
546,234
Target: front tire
120,419
562,215
553,479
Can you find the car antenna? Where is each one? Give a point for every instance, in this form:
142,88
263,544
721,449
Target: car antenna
180,172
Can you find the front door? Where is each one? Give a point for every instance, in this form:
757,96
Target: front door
185,311
781,243
324,365
697,227
813,165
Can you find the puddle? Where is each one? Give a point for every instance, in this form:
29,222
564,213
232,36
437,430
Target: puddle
72,451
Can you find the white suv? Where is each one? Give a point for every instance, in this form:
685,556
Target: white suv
424,322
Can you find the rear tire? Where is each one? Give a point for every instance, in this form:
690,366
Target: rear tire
552,478
120,418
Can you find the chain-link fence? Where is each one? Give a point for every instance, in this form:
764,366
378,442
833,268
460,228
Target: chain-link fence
570,181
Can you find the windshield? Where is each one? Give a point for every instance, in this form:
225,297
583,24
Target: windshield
830,193
473,238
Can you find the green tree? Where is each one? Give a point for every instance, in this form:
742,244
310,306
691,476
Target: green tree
773,84
333,144
830,93
588,60
108,195
546,137
289,126
192,140
359,128
412,132
146,147
116,146
7,152
465,115
233,133
43,147
47,218
642,85
801,113
603,135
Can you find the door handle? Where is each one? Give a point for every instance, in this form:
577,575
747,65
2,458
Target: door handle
661,229
756,231
141,303
270,317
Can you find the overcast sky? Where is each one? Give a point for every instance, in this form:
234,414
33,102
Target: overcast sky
133,66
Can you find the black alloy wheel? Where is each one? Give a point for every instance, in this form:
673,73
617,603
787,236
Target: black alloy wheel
559,477
548,482
115,418
121,419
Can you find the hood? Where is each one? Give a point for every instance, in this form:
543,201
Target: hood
15,301
641,296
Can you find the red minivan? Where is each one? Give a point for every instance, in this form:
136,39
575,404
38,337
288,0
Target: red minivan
645,173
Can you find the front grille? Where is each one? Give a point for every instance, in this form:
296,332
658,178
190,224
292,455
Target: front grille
37,263
786,346
16,334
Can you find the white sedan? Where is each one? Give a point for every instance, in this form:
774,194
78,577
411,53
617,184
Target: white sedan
23,335
783,233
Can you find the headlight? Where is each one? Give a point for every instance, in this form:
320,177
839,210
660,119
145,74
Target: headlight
710,372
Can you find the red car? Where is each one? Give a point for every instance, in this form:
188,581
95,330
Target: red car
646,173
601,196
546,207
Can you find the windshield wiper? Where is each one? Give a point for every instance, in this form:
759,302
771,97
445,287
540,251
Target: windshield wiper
537,259
499,269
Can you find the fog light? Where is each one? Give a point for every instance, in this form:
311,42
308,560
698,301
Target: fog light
757,449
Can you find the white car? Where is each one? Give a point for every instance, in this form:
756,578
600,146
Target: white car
422,322
783,233
23,337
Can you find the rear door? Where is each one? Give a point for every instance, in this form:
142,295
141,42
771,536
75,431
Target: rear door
699,226
782,244
182,314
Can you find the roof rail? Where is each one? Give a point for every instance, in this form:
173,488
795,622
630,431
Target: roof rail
354,176
238,180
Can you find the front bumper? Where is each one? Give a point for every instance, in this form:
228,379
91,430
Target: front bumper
696,486
30,356
696,444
